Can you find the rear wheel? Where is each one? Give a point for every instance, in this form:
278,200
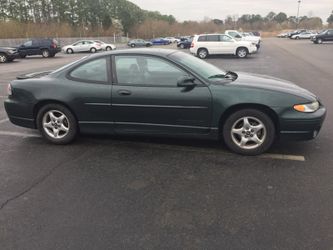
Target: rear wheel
3,58
242,52
202,53
45,53
57,124
249,132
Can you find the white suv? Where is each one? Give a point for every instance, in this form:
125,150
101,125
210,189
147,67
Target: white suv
217,44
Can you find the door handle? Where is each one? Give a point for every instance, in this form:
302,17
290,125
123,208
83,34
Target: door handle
124,92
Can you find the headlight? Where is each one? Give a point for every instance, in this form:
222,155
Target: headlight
307,108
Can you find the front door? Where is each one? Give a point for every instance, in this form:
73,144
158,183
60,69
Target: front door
147,99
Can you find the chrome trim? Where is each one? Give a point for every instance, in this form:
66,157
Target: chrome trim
98,104
159,106
144,124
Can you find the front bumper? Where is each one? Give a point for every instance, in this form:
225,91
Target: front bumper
303,128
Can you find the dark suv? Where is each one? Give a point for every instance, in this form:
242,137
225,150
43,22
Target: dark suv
326,35
47,47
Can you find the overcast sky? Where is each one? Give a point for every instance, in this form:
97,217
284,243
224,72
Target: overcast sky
198,9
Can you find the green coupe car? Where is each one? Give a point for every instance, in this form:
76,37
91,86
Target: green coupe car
163,93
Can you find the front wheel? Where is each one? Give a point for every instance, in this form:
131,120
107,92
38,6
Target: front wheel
3,58
69,51
320,41
242,52
108,48
57,124
182,46
249,132
93,50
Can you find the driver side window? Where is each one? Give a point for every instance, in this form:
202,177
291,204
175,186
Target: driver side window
144,70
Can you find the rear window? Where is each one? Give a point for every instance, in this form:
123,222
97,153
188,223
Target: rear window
202,38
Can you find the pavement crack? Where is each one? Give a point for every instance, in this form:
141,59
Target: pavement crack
41,180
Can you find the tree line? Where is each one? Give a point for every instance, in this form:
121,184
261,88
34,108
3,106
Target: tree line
27,18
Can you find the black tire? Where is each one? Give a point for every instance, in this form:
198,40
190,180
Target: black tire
3,58
319,41
70,118
93,50
148,45
132,45
52,55
267,132
23,56
108,48
45,53
182,46
69,51
297,37
242,52
202,53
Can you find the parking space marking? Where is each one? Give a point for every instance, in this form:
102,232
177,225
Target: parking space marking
4,120
3,96
177,148
283,157
18,134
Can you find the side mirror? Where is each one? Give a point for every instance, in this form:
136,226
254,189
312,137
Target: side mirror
186,81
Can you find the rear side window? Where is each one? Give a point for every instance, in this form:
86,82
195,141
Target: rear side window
28,43
92,71
213,38
202,39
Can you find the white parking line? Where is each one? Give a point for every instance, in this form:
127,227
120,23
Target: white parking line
18,134
3,96
178,148
4,120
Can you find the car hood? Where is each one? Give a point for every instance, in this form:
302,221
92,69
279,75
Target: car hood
271,83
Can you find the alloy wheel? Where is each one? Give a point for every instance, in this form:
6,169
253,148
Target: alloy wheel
55,124
248,132
3,58
242,53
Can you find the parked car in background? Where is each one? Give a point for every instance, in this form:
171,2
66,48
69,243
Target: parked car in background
295,32
47,47
303,35
185,43
7,54
239,37
106,46
324,36
82,46
139,43
219,44
163,93
160,41
282,35
256,33
172,39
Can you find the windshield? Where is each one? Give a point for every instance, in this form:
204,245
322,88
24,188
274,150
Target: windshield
205,70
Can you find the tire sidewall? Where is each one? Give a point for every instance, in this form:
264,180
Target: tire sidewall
6,58
239,49
69,51
73,130
45,53
263,117
201,56
93,50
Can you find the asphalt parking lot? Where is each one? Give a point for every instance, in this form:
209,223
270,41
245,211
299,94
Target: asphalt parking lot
149,193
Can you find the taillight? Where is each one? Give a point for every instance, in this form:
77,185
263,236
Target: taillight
9,90
192,45
53,45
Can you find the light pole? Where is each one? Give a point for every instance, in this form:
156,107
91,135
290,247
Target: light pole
297,21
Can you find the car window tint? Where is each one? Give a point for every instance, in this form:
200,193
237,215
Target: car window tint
147,71
213,38
225,38
202,38
95,70
29,43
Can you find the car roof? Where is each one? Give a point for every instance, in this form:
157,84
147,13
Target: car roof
143,51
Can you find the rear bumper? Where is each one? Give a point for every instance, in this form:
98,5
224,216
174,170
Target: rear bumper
303,129
20,114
